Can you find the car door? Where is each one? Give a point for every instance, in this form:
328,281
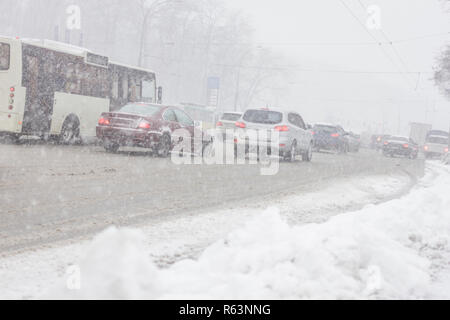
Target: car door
188,124
294,130
170,120
303,134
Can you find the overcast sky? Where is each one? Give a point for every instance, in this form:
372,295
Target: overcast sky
321,36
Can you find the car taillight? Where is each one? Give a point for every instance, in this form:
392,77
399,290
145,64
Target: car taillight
446,150
386,143
240,125
144,125
103,122
426,148
406,146
282,128
335,135
219,124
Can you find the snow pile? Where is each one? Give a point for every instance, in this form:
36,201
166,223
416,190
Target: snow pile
392,251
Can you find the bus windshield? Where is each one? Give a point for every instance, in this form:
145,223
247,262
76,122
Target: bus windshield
4,56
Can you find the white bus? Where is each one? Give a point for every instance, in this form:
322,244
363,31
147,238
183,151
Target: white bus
51,89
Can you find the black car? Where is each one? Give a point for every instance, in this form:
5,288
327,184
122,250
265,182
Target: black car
330,137
400,146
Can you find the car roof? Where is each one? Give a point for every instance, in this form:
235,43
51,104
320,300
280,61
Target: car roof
232,112
325,124
398,137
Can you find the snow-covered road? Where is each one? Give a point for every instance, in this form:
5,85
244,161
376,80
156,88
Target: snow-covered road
301,247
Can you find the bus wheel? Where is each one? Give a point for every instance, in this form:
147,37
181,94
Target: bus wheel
70,131
10,139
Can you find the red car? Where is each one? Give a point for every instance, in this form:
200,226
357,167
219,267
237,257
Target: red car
149,126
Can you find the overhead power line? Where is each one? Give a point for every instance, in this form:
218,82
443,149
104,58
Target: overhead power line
375,39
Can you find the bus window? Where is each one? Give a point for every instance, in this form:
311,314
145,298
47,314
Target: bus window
115,87
148,91
133,96
125,87
4,56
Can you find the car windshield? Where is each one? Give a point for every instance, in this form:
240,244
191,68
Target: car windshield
141,109
4,56
325,128
263,116
230,117
438,140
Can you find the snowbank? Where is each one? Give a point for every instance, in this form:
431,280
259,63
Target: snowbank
396,250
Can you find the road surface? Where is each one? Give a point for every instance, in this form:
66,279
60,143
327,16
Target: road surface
50,193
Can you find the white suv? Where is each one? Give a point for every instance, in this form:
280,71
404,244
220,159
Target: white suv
295,138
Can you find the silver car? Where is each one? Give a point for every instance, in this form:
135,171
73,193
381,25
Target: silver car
295,138
227,123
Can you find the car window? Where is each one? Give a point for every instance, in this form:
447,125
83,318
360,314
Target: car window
292,119
263,116
4,56
437,140
183,118
141,109
300,121
399,139
230,117
325,129
296,120
169,115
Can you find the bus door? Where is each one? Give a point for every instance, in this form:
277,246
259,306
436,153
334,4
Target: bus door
39,99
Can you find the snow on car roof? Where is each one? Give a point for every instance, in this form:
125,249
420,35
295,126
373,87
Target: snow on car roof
325,124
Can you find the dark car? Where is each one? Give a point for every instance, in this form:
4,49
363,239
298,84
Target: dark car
400,146
149,126
378,141
330,137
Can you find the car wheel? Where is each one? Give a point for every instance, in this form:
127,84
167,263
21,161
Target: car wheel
291,156
209,150
111,146
164,146
307,156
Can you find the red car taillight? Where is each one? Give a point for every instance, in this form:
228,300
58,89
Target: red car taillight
335,135
240,125
144,125
219,124
103,122
282,128
406,146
